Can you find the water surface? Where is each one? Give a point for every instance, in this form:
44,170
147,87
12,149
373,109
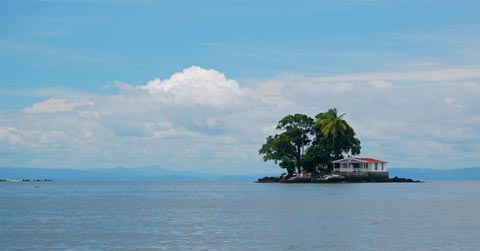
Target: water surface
239,216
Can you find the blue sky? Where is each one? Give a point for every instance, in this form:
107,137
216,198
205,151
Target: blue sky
79,89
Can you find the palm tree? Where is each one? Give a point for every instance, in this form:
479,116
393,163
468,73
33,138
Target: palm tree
332,125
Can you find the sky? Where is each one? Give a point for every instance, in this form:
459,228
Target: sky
199,85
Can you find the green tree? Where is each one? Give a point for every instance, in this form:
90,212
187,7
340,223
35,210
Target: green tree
307,145
288,147
335,134
331,125
316,156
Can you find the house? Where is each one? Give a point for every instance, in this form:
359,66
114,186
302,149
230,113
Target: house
360,165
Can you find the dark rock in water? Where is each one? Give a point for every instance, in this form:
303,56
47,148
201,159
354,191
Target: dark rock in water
365,179
267,179
297,180
397,179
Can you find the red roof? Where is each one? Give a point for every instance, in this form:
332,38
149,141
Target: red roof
370,160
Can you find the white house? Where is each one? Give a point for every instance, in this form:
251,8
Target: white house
359,165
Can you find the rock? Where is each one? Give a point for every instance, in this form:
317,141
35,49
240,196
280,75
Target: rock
297,180
267,179
397,179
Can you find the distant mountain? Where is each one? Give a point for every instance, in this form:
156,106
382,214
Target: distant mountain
120,173
471,173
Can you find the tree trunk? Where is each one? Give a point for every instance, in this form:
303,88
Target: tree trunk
299,160
333,148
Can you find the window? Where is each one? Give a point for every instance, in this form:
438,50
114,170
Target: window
382,166
376,166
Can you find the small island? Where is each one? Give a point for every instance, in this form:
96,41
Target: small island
352,170
321,150
332,178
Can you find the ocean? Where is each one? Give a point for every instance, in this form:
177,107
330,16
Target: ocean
209,215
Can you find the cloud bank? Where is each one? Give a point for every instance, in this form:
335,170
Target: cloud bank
199,119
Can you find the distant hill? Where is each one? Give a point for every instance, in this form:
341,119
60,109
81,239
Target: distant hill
114,174
471,173
157,173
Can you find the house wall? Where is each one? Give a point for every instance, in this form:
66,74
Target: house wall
341,167
371,167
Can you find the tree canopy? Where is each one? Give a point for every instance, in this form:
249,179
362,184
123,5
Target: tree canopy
337,132
288,146
305,144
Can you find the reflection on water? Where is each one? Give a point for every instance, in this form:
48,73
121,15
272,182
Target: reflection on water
240,216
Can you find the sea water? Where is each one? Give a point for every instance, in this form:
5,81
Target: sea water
190,215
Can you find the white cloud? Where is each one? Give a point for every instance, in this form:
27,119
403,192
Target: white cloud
272,93
440,74
196,86
200,119
163,128
55,105
380,84
11,135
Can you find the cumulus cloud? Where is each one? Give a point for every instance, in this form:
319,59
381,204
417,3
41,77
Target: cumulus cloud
196,86
199,119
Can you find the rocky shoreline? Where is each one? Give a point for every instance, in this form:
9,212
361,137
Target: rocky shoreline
339,179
